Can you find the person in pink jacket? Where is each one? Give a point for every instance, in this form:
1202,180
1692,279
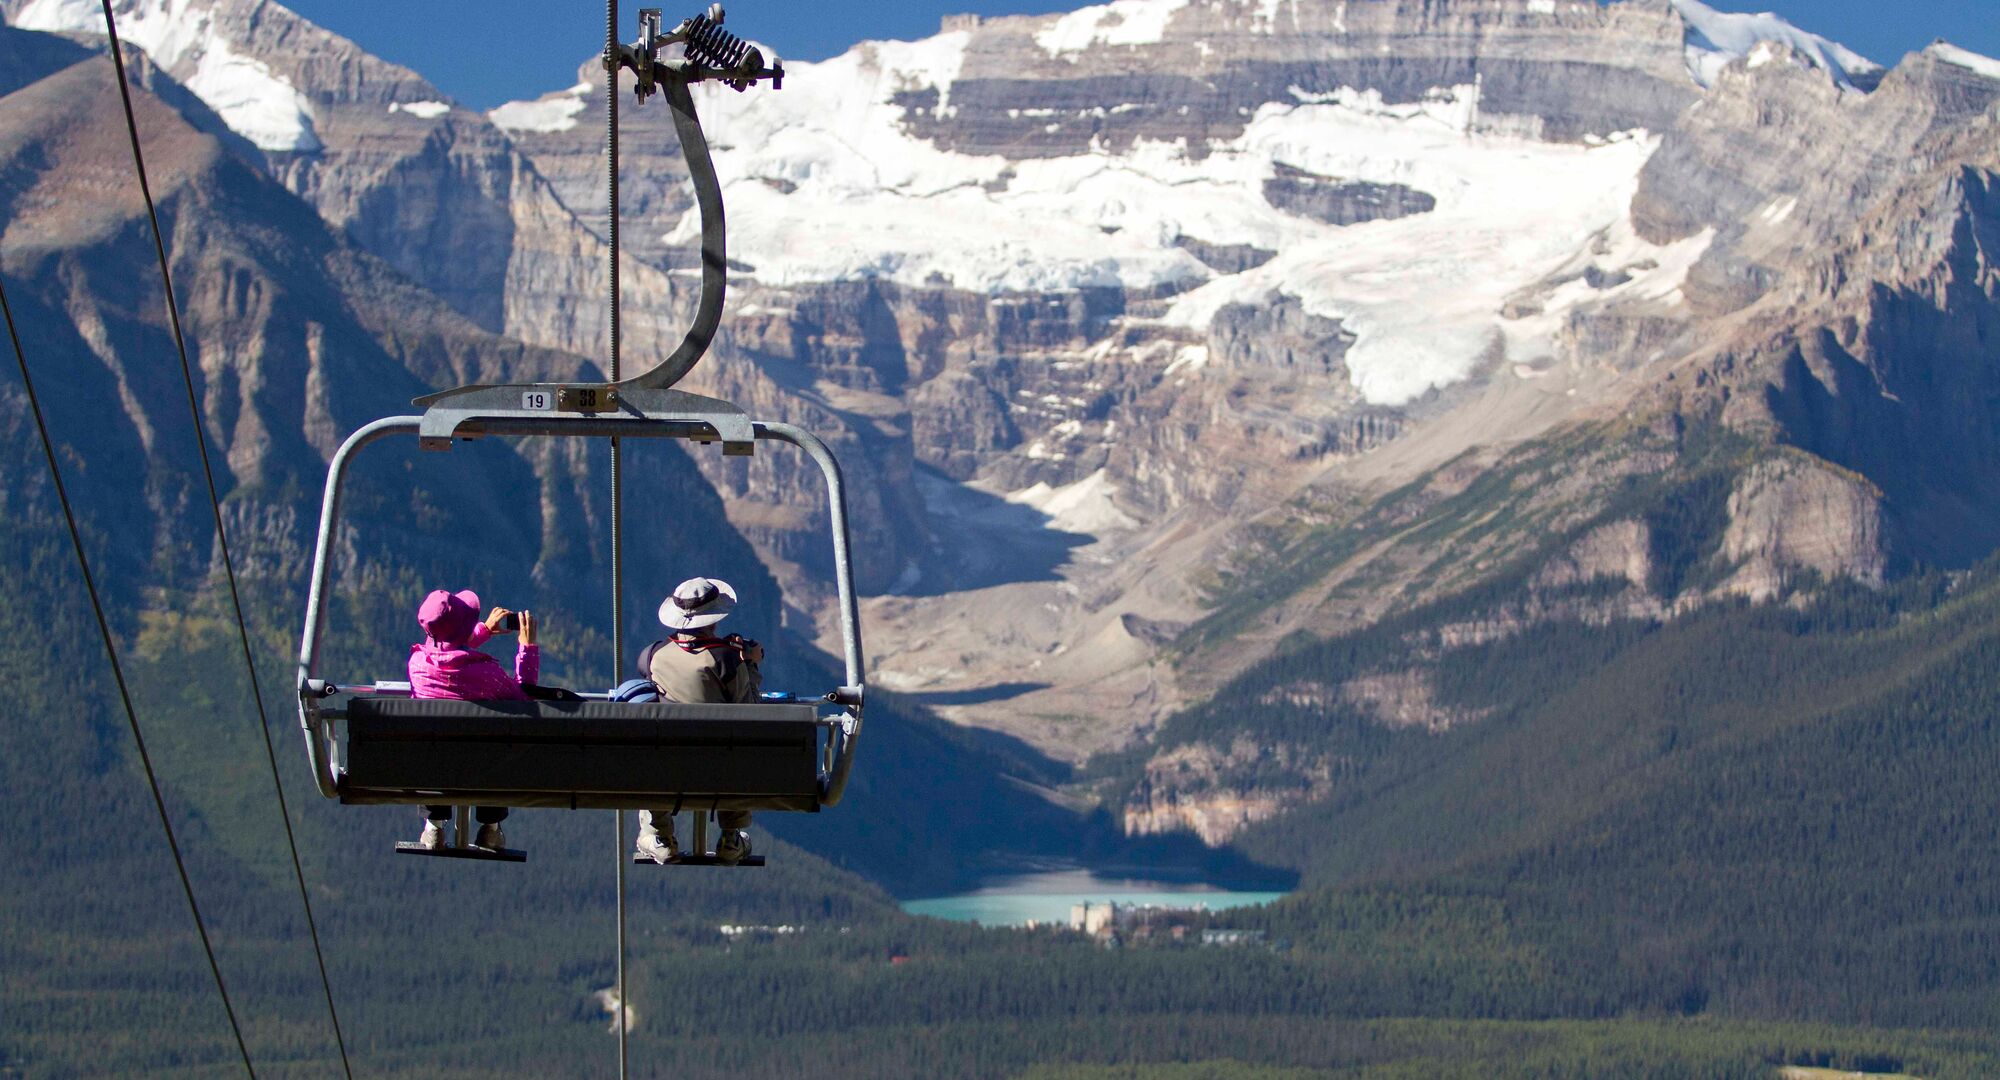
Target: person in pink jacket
449,664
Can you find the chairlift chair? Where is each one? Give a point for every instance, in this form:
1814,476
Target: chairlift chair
594,753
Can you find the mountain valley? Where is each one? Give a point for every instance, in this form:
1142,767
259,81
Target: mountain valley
1526,471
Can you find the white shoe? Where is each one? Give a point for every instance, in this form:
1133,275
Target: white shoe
490,836
659,846
434,836
732,847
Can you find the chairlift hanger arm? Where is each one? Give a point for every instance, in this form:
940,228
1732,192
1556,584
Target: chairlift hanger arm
711,54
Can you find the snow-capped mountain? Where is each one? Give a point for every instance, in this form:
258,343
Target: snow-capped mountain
1108,308
1716,39
256,102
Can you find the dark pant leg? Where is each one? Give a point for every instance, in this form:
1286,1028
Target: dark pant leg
733,819
438,813
489,815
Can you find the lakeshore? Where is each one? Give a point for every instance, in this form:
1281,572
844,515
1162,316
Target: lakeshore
1047,898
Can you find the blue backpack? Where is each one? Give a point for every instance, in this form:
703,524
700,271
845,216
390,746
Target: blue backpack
633,691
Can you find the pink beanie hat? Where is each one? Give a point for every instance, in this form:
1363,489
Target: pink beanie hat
449,617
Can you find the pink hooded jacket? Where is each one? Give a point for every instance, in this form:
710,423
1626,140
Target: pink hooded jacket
452,666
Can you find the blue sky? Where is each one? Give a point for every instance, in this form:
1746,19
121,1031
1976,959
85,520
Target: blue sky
488,51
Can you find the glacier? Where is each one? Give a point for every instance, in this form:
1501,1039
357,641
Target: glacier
830,186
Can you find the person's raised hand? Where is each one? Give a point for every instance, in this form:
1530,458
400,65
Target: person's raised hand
753,651
527,628
495,617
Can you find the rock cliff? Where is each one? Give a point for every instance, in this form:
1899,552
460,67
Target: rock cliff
297,339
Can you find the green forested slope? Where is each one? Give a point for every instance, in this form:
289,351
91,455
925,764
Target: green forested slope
1773,811
449,970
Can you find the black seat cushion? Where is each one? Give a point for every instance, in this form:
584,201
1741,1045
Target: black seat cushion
582,754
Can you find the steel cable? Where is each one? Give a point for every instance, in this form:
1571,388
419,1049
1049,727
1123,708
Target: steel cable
124,694
221,534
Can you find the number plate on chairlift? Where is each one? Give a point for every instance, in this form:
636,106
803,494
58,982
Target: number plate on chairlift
588,399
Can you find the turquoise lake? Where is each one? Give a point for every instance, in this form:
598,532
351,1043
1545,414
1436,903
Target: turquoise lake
1046,898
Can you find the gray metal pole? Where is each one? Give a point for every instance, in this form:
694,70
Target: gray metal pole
617,491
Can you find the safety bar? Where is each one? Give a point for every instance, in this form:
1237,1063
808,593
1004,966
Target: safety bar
320,746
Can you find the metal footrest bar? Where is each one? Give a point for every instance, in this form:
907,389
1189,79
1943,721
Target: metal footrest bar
698,860
502,854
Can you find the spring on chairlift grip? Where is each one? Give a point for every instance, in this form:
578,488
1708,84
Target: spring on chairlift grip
705,44
712,46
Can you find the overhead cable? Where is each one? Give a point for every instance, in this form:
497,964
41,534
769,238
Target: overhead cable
221,533
118,676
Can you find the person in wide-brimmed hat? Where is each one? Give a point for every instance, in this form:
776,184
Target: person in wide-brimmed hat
449,664
695,666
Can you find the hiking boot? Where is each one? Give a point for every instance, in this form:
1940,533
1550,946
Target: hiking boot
490,836
435,835
732,847
659,846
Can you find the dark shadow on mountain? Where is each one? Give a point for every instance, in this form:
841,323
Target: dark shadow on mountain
979,695
27,57
991,541
1013,760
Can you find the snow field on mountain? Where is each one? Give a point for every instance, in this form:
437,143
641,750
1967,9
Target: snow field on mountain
1634,271
256,104
1965,58
422,110
1122,22
868,200
826,185
254,101
549,113
1715,39
1423,294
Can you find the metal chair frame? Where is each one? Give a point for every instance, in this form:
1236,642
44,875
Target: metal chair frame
316,717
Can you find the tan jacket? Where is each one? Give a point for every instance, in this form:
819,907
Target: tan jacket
705,670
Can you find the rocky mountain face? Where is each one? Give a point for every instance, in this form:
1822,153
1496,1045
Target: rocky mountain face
297,338
1849,305
1868,295
1159,332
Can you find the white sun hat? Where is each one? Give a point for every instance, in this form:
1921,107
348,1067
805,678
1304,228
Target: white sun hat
697,603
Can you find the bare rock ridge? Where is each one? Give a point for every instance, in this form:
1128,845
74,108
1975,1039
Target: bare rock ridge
1564,72
1338,202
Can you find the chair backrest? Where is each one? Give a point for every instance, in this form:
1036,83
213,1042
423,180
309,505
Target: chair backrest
582,754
